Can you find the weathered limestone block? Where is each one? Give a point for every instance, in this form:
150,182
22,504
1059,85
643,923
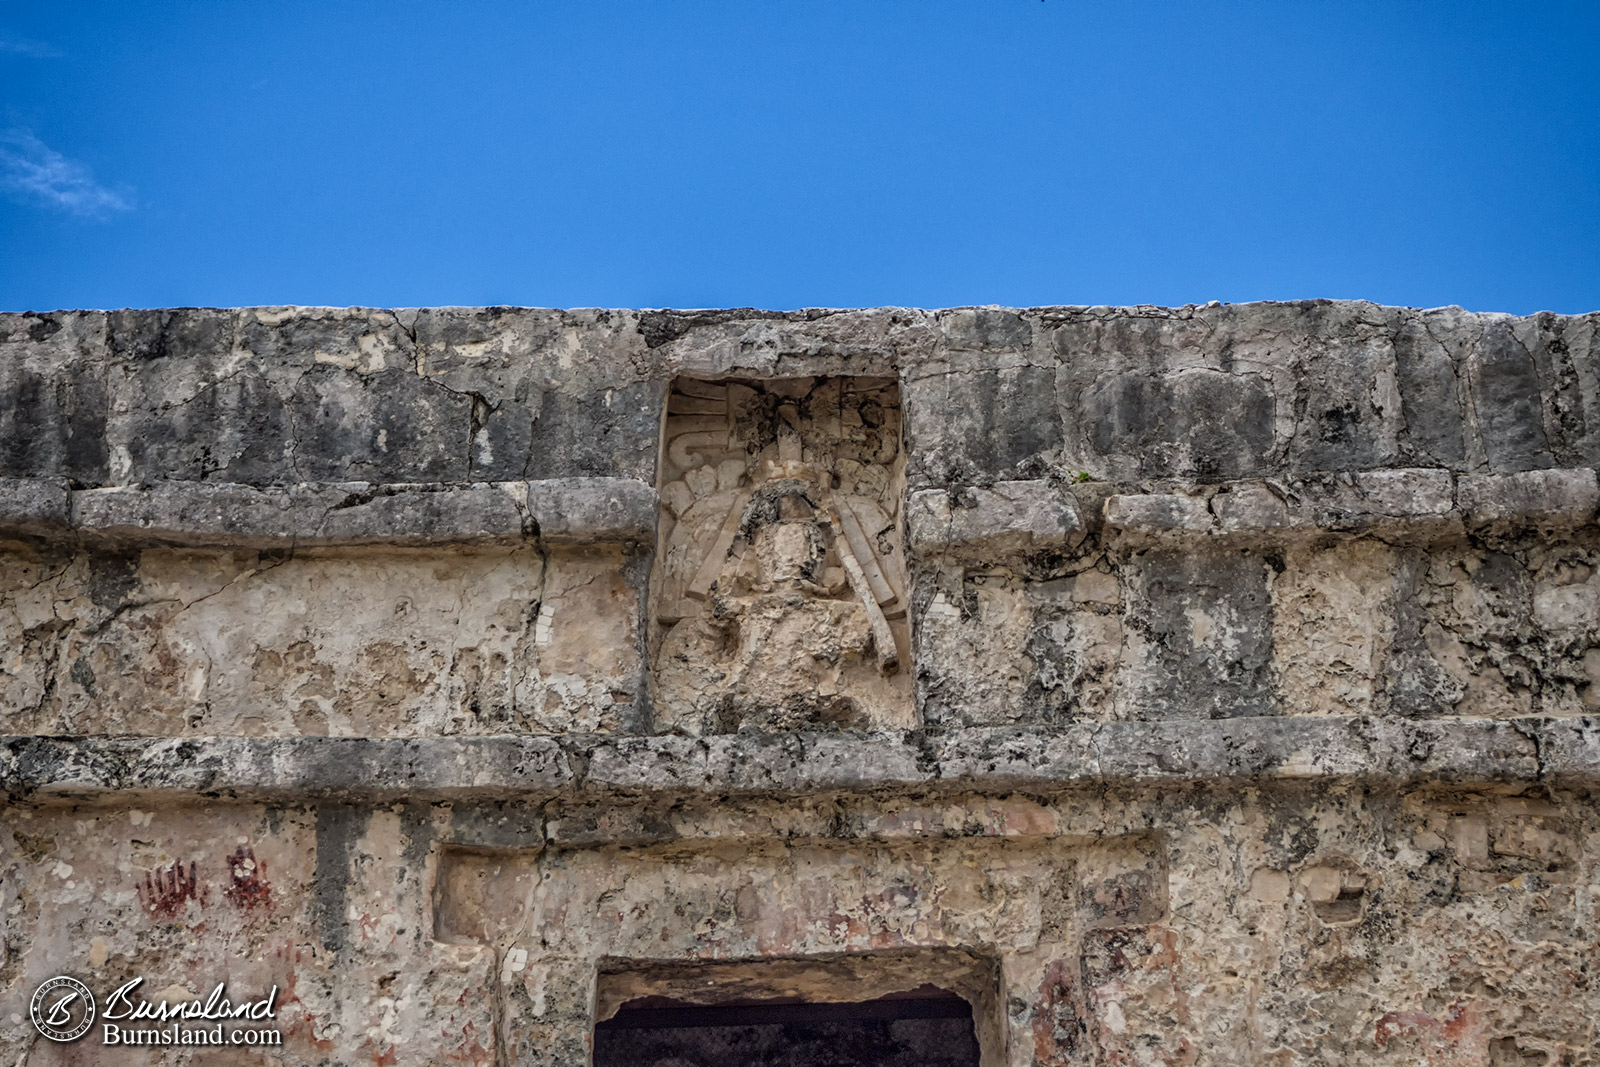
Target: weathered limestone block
993,521
1553,497
1246,508
1199,642
54,396
1333,625
556,394
1495,632
585,510
35,507
1505,389
1150,515
1375,497
979,418
193,401
1200,421
476,514
1010,644
810,343
198,513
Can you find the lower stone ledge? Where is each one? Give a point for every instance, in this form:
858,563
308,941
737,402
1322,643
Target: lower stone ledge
1361,748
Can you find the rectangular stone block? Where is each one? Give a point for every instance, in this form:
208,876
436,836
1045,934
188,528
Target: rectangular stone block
1151,515
1553,497
32,507
577,510
998,520
1200,626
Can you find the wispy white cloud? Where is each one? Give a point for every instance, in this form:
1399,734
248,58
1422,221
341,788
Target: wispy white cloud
22,46
33,172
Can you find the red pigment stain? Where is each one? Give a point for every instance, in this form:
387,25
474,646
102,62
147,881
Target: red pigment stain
307,1024
1057,1028
386,1058
1125,967
471,1050
247,886
164,892
292,956
1458,1038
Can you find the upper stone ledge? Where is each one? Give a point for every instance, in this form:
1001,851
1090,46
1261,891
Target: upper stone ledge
993,521
556,511
1371,749
282,396
1408,504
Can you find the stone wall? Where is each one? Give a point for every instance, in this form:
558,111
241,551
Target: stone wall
1204,685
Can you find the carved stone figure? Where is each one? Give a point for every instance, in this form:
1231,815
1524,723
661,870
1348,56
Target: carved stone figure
781,557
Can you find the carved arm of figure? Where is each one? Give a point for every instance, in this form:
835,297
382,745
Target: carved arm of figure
882,635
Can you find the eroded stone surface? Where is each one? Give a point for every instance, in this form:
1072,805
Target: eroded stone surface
376,643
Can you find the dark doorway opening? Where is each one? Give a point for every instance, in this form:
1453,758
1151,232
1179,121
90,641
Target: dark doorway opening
926,1027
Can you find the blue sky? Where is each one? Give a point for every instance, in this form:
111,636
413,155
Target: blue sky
800,153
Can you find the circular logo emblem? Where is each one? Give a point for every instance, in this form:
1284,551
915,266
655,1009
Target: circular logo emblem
62,1009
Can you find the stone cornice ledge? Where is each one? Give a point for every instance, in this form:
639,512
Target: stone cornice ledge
308,515
1377,750
1409,503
